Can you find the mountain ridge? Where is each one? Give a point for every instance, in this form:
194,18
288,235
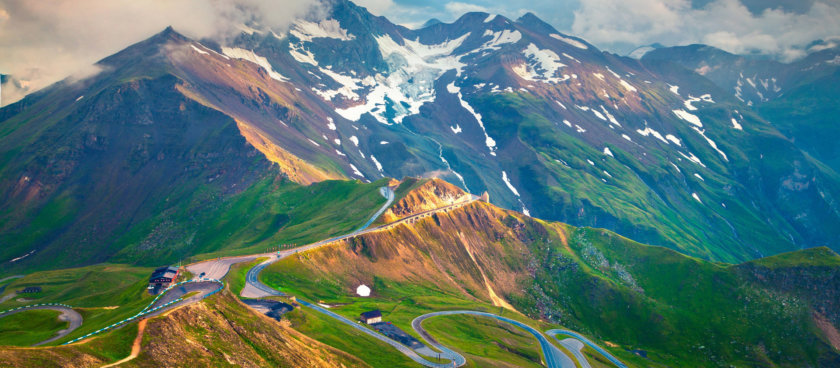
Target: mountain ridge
545,123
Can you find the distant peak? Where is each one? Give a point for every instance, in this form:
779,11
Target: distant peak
431,22
168,34
534,22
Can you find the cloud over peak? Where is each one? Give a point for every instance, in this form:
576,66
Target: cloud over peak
46,41
726,24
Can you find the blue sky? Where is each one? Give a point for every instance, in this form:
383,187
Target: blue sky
780,28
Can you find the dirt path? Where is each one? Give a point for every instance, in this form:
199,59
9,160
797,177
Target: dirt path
135,347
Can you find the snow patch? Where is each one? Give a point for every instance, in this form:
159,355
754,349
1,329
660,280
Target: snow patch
569,41
650,131
608,152
249,55
696,197
691,157
356,171
736,125
609,116
489,142
412,69
689,117
313,142
498,39
711,142
376,162
355,140
455,129
302,55
674,139
327,28
509,185
198,50
629,87
542,65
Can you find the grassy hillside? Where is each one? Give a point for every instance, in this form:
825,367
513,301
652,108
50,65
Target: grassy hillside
679,310
102,294
29,327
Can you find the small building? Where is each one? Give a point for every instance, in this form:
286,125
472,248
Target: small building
30,290
371,317
162,277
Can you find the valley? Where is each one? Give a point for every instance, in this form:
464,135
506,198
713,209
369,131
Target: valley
349,191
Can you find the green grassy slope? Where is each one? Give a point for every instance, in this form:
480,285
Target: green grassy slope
29,327
679,310
102,294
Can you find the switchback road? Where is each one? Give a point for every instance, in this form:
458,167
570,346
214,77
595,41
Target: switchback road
67,314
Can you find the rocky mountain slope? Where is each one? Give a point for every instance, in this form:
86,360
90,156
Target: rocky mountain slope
798,98
546,123
673,309
218,331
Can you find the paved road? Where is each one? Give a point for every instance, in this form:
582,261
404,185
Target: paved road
219,267
202,287
575,346
67,314
405,350
591,344
554,358
256,289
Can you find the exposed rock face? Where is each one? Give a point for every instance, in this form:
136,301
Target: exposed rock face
431,194
594,281
222,331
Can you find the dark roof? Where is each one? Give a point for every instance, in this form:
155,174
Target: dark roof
372,314
169,272
32,289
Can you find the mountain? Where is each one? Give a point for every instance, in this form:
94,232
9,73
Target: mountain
647,305
173,128
673,309
797,98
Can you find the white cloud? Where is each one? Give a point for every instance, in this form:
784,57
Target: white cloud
377,7
46,41
726,24
457,7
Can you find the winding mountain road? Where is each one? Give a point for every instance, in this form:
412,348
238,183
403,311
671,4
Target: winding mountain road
217,268
554,358
255,289
589,343
67,314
